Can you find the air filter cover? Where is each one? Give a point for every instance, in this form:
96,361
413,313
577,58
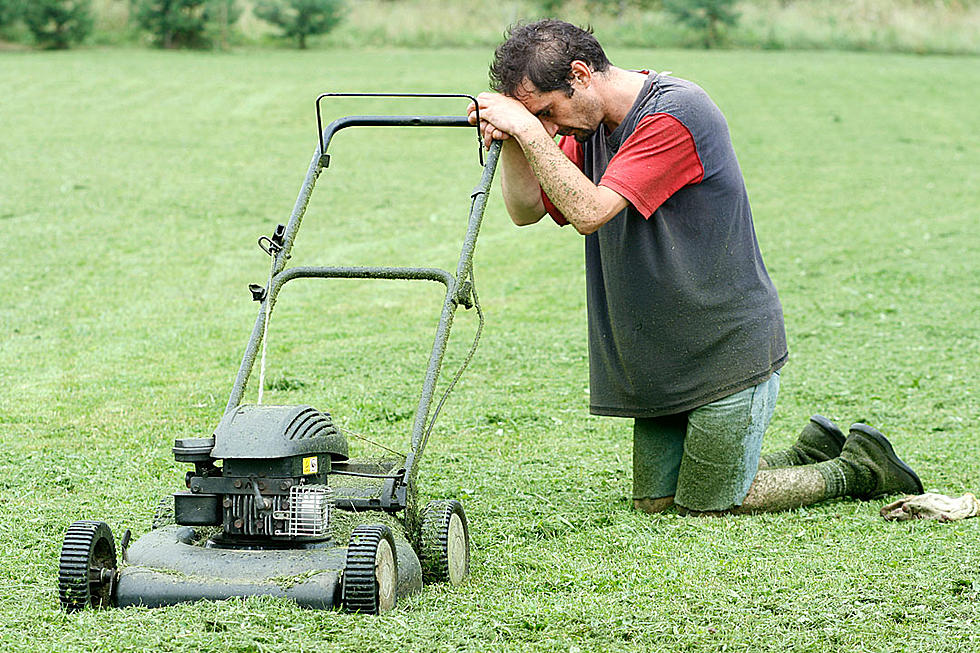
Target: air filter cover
266,432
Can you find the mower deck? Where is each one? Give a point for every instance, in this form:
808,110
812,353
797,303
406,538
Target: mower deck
171,565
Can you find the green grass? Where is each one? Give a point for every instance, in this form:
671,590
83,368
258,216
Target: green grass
133,185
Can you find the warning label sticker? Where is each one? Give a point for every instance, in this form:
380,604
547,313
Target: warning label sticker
309,465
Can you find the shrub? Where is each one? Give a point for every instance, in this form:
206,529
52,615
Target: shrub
57,24
705,16
10,10
173,23
550,7
301,18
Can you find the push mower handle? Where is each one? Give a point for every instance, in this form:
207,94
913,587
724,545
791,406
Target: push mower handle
397,121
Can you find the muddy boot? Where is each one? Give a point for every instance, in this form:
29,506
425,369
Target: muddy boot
819,440
868,467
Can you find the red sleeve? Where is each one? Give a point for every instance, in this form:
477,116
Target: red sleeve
657,160
573,150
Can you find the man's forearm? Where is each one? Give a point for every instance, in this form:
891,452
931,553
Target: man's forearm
585,205
522,194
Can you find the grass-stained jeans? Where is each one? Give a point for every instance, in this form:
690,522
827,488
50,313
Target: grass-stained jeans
706,458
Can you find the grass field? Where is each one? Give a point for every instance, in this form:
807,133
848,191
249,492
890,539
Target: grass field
133,185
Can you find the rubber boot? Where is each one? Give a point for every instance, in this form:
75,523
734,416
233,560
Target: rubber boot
879,470
819,440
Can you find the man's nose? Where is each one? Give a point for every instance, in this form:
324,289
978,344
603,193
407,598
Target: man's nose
549,127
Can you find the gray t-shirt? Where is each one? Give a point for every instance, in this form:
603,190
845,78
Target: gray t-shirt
681,309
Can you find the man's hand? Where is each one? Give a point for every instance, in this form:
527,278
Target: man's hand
502,117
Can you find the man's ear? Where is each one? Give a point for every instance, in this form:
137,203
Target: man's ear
581,74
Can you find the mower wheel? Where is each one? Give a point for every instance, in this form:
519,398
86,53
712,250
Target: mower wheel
164,513
445,543
371,572
87,568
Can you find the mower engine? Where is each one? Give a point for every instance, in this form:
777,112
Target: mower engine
271,490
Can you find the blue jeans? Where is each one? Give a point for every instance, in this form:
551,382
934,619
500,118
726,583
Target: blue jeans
706,458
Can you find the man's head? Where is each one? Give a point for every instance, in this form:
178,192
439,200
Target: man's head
542,53
542,64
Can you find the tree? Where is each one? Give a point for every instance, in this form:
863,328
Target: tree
705,16
174,23
57,24
551,7
10,11
301,18
222,14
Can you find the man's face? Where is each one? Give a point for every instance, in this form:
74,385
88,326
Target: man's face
577,116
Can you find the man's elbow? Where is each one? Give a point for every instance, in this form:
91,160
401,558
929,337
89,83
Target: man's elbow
524,220
586,225
523,216
590,222
607,205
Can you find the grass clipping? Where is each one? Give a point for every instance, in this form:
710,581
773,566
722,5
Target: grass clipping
343,522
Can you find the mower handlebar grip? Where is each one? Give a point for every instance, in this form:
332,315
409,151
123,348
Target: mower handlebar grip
395,121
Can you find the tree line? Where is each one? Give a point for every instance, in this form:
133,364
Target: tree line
59,24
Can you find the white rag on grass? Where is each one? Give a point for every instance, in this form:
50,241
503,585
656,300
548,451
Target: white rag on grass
932,506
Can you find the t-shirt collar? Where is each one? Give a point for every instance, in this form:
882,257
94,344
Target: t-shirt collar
614,139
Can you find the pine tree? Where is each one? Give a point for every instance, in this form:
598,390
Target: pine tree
301,18
174,23
10,11
705,16
57,24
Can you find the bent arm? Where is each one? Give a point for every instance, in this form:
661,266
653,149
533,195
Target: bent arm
585,205
540,164
522,193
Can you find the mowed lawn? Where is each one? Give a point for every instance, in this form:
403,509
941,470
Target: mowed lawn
134,184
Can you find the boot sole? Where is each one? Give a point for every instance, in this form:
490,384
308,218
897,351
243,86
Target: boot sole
878,437
831,429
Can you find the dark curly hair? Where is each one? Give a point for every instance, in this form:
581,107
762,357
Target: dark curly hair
543,52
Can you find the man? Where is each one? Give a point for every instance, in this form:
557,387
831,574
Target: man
685,327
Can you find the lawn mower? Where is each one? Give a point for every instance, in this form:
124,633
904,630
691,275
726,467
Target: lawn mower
268,487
